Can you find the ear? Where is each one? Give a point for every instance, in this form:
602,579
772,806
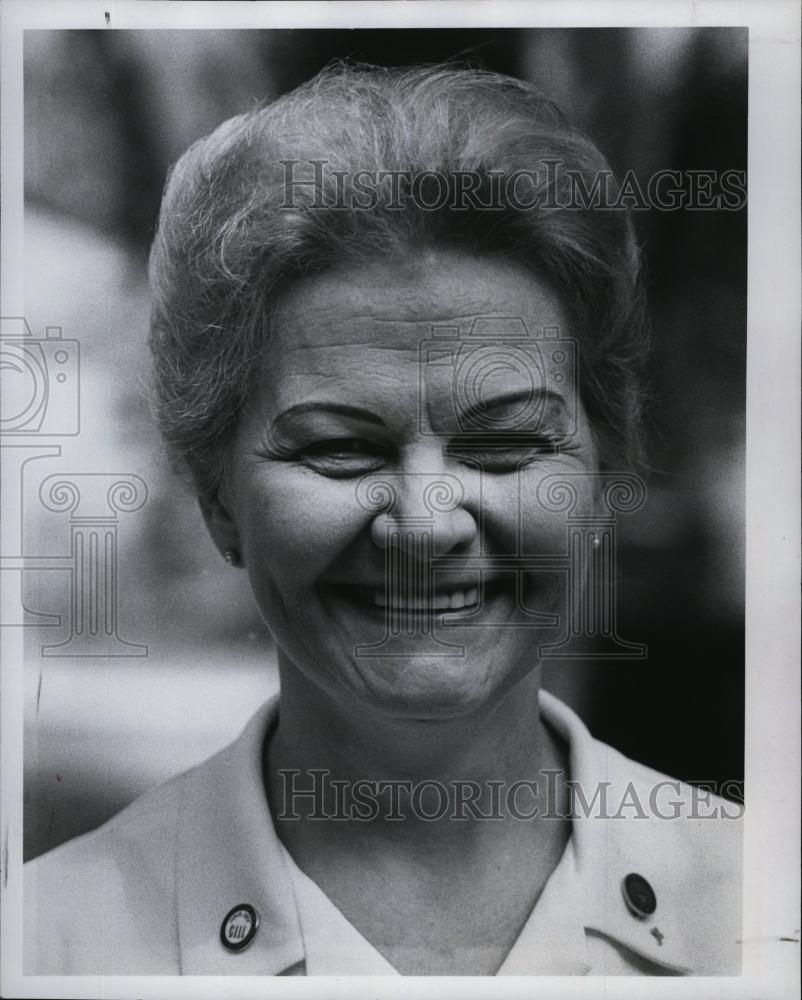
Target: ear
221,526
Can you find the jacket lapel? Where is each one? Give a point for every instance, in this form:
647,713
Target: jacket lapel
228,853
635,840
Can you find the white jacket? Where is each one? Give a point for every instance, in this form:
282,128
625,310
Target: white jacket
146,893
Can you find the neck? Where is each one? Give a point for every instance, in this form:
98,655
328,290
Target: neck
416,886
328,744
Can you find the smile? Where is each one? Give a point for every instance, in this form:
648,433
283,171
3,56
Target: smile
454,600
465,597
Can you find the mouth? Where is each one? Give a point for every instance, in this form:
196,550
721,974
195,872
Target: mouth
445,600
465,597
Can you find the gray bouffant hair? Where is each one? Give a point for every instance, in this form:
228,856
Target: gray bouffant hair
232,236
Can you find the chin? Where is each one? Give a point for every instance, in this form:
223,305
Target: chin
429,689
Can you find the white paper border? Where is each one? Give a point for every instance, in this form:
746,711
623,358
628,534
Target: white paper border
772,778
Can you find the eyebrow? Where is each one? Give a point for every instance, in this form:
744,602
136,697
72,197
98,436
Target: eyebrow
357,413
510,398
341,409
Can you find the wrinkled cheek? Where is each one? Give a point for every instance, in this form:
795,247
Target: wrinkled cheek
520,521
544,523
549,503
293,534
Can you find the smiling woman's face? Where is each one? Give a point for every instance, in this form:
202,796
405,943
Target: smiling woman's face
346,392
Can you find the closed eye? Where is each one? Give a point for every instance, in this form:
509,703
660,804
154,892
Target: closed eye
501,453
341,458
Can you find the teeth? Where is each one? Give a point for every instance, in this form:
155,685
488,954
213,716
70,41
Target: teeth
457,599
442,601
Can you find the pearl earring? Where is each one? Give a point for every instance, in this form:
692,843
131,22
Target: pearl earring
231,557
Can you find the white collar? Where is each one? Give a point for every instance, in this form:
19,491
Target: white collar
228,853
551,942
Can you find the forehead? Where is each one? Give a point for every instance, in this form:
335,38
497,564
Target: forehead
389,307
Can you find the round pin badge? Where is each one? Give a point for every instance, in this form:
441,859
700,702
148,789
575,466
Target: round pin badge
638,896
239,927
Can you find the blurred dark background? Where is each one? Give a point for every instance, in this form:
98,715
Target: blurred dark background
105,114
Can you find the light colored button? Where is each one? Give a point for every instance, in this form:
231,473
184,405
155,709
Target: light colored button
638,895
239,927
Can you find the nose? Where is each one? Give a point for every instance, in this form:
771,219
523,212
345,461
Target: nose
424,514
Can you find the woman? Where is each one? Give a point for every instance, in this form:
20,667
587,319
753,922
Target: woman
390,337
